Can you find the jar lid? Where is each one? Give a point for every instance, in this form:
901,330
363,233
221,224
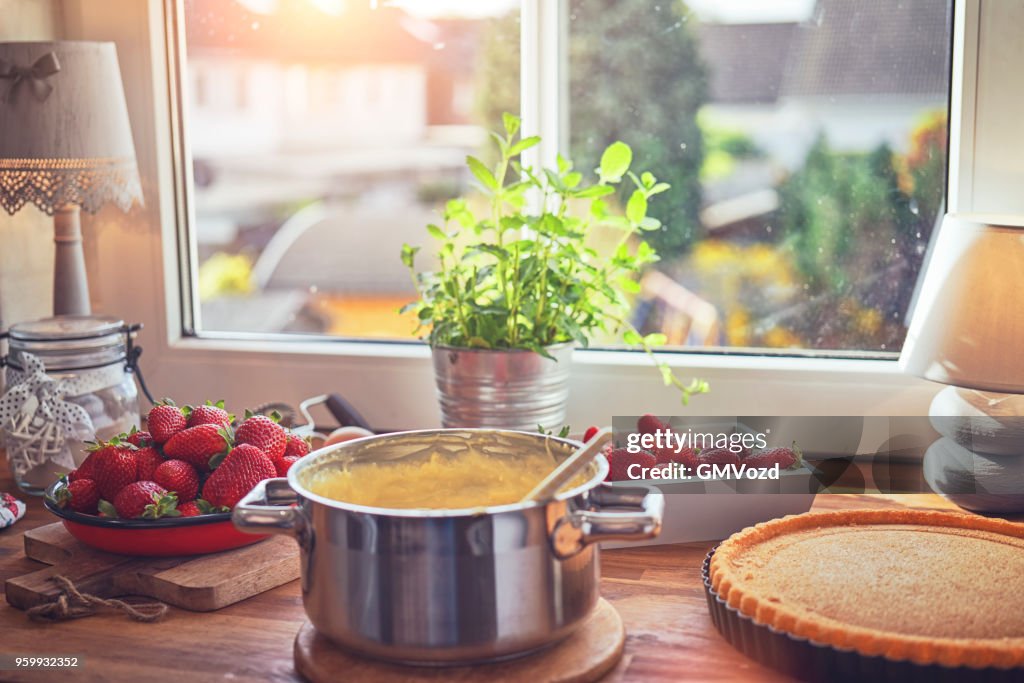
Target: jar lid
69,342
67,328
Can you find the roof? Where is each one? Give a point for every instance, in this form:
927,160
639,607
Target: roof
847,47
747,60
296,31
854,47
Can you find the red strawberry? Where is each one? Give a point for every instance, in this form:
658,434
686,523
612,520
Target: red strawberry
244,467
87,470
649,424
264,433
147,459
783,457
114,469
137,438
589,434
285,464
81,495
180,477
189,509
145,499
296,446
686,456
718,456
208,414
165,420
620,460
197,445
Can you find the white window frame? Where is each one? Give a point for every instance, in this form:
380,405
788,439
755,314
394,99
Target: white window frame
392,383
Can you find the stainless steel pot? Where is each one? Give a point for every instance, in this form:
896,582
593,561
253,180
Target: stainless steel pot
448,586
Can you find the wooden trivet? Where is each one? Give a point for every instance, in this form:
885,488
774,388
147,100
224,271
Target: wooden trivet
584,657
201,583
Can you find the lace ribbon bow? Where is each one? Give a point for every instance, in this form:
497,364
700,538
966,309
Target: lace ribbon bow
34,75
33,413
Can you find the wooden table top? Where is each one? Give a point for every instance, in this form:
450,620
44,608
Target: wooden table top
657,590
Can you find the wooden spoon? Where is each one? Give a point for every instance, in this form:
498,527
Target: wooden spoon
569,468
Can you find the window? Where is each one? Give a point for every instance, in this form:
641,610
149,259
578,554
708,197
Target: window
805,141
323,135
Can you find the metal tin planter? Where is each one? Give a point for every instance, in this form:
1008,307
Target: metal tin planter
506,389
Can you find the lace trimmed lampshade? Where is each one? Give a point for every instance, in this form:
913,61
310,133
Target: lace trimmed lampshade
65,145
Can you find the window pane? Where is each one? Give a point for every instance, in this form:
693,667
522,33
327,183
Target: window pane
805,141
324,134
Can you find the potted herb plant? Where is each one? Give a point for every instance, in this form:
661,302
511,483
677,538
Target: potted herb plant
517,287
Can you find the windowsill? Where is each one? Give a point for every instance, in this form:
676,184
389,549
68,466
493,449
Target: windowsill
393,383
839,368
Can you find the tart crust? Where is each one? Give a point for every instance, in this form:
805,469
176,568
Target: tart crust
734,577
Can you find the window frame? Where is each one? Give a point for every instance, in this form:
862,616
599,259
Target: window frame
391,381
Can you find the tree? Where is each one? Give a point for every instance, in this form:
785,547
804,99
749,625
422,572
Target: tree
635,75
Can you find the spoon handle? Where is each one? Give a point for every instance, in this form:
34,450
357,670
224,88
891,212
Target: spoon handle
569,468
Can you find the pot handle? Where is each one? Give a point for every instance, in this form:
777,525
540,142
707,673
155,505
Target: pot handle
638,518
270,509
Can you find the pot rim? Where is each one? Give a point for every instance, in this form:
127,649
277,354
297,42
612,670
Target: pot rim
469,349
307,460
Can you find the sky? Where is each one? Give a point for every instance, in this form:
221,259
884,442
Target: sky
752,11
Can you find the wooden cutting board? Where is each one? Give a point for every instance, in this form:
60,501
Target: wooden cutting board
200,583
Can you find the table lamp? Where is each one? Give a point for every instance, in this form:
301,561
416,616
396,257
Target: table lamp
65,145
967,331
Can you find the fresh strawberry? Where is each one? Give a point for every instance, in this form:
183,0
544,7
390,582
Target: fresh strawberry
244,467
264,433
165,420
718,456
208,414
80,495
198,445
245,449
147,459
189,509
87,470
649,424
589,434
685,456
137,438
285,464
145,499
194,508
783,457
620,460
296,446
115,467
180,477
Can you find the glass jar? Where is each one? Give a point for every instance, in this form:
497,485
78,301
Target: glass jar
88,357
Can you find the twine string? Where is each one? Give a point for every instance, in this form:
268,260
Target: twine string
73,604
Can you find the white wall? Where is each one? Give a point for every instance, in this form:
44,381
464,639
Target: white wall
26,239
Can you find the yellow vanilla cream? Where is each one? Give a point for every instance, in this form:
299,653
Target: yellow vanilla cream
467,480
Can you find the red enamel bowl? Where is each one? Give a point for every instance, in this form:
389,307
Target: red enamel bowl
165,537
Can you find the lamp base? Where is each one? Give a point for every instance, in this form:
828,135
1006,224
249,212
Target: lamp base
979,462
70,284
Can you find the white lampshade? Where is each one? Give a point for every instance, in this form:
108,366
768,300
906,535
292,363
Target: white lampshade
65,138
968,327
